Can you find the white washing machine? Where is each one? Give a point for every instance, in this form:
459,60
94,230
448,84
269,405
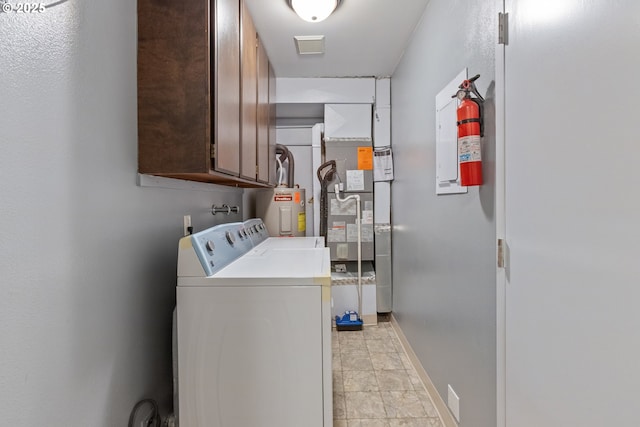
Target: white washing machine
253,332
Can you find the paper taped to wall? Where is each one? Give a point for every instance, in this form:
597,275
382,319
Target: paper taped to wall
382,164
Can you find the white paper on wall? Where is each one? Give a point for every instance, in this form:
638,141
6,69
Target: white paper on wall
337,232
348,207
355,180
366,233
367,216
382,164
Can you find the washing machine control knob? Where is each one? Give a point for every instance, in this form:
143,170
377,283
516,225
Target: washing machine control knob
210,245
230,238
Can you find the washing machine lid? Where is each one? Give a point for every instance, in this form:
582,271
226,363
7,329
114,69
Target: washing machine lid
272,267
292,243
280,262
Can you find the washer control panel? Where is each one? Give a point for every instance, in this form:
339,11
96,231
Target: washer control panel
219,246
257,231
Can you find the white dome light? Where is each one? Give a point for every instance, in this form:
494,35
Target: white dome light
314,10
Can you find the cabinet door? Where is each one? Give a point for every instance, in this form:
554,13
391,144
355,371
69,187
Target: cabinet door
272,125
249,96
173,87
226,58
263,114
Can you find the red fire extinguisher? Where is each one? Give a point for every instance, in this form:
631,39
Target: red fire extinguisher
470,130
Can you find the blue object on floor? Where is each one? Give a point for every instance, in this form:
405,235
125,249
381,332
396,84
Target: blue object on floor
350,321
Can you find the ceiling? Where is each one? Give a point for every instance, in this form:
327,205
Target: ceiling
363,38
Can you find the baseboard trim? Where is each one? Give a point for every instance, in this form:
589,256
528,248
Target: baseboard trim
438,402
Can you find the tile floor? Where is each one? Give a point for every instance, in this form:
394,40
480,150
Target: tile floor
375,384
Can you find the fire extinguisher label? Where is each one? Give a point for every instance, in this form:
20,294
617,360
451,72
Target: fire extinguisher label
469,149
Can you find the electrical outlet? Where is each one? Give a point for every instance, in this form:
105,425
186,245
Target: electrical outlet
453,402
186,224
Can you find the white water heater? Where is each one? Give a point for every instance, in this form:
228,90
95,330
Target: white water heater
282,210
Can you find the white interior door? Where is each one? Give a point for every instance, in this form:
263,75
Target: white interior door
572,213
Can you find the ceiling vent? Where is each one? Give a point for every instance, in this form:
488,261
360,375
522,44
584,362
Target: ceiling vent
309,45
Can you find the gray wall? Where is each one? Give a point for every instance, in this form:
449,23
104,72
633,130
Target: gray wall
87,257
444,246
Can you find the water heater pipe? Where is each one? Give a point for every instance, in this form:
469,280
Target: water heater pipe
285,154
281,171
357,199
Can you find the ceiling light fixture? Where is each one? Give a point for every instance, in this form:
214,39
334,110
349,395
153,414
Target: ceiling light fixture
314,10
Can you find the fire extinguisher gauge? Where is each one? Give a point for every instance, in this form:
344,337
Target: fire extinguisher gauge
461,94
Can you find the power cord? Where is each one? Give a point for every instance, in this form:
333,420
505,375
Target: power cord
153,420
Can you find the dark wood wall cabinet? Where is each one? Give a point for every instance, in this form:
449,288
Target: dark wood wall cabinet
206,94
